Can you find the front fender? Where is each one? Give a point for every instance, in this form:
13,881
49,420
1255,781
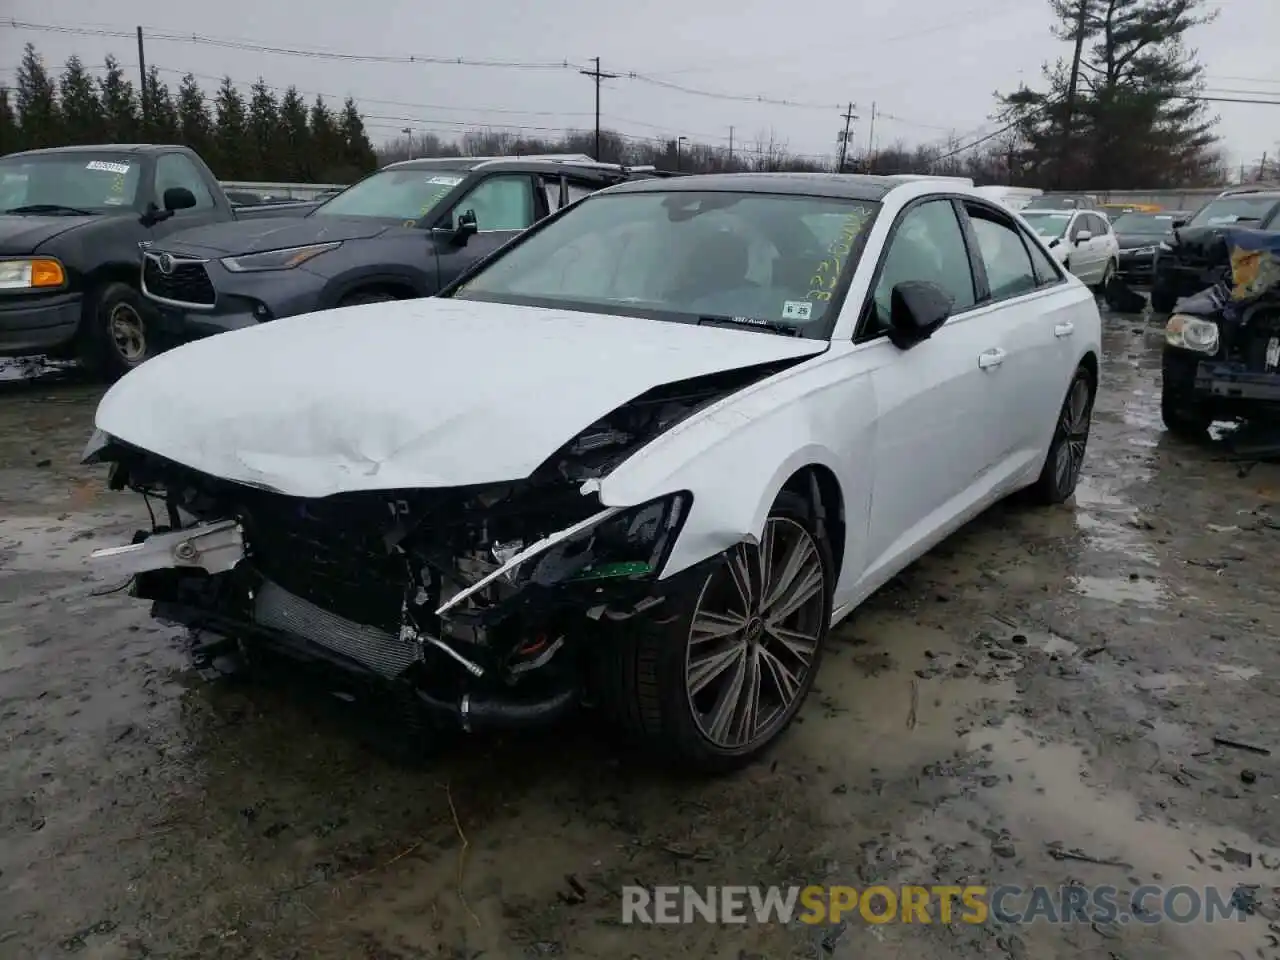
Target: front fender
735,456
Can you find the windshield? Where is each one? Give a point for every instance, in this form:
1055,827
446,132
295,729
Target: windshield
68,182
393,195
1243,209
767,260
1056,203
1048,225
1145,224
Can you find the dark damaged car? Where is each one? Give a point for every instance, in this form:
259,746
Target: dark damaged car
1221,357
403,232
1191,261
628,461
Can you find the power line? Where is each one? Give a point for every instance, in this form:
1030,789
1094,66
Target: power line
254,47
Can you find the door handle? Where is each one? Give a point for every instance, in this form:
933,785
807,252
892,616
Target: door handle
991,358
1064,329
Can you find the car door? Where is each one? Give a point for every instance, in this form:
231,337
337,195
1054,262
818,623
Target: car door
1022,310
178,170
1105,244
933,399
1079,253
504,204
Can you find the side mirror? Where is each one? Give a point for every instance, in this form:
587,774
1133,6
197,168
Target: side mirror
1084,235
916,309
1180,222
178,198
465,227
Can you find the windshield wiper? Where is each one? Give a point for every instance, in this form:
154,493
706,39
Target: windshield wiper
751,323
50,208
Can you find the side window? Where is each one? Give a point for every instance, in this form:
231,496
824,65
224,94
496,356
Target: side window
177,170
1104,226
928,244
1004,254
1078,224
1047,271
500,203
575,191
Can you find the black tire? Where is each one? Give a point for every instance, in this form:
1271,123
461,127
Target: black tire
646,668
1108,272
1162,299
119,331
1057,482
1185,415
366,296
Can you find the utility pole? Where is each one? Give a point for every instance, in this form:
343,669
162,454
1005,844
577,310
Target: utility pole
142,87
844,137
731,149
408,137
597,76
871,137
1072,85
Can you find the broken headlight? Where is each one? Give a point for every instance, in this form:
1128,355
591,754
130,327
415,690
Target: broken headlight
636,541
1191,333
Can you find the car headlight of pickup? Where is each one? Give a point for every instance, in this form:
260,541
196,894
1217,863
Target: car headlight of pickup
1191,333
285,259
1142,252
32,273
1164,247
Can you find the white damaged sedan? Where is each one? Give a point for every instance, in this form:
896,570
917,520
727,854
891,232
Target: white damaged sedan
643,458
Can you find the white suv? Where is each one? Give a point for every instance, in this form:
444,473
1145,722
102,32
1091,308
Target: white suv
1081,240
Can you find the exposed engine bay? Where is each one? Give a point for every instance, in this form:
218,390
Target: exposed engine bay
464,592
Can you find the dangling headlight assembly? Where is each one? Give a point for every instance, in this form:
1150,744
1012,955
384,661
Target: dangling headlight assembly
614,544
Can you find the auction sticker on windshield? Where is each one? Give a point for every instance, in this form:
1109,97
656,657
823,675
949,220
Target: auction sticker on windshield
107,166
447,181
797,310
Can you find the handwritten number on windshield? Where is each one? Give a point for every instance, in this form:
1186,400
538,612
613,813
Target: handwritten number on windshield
828,270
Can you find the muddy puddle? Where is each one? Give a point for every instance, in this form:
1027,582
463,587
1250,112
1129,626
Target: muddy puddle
1083,694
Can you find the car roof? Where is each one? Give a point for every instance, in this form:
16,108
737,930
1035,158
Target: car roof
551,164
99,148
1271,194
843,186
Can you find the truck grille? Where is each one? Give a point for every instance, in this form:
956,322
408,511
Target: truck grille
186,282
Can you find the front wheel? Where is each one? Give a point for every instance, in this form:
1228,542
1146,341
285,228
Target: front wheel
717,679
118,333
1108,272
1061,470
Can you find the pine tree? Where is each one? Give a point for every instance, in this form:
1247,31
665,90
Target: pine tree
297,160
195,126
82,120
229,132
264,132
326,143
159,110
1132,122
10,135
358,152
37,102
119,105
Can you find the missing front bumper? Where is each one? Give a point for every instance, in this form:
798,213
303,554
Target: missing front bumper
211,547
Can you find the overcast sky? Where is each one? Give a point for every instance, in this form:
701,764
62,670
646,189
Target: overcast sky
929,66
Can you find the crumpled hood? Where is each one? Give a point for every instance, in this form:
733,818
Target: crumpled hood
236,237
23,233
415,393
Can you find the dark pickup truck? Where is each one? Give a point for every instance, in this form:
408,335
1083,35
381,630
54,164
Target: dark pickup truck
73,223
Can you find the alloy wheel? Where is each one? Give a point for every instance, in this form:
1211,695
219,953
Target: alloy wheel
128,333
754,636
1073,434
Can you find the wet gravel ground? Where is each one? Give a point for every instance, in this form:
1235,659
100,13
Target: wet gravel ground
1034,702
